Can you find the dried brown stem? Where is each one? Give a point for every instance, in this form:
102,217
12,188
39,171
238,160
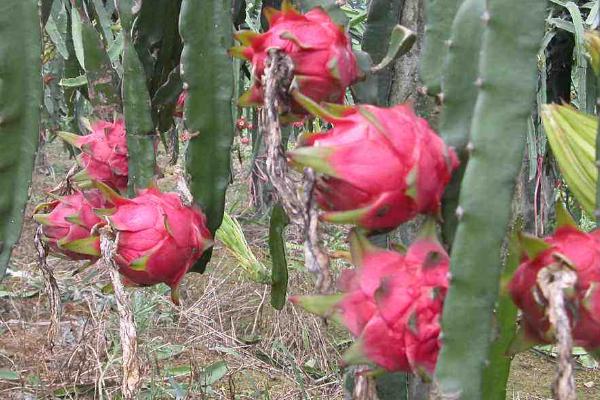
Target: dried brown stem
364,385
553,282
131,365
51,288
65,186
300,208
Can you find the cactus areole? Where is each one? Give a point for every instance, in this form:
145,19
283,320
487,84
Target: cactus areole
574,249
321,51
379,167
159,238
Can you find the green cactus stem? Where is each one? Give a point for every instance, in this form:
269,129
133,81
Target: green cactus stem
136,108
102,79
279,271
382,16
460,94
496,372
439,15
207,71
20,97
506,88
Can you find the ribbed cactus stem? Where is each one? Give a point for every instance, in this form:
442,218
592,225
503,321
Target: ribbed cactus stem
207,70
506,86
20,99
136,107
460,94
439,15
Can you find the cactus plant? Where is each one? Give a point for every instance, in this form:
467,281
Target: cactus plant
20,96
460,93
136,107
505,88
208,75
439,14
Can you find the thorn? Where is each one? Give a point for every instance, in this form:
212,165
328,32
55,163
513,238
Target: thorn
459,212
448,43
479,82
470,147
485,17
186,86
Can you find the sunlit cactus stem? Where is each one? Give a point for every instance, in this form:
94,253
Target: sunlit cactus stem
506,83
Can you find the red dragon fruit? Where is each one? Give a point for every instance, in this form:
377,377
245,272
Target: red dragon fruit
68,225
380,166
178,112
324,64
159,237
574,249
392,302
103,153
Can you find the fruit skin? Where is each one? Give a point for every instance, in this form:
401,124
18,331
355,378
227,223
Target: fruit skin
67,227
321,51
581,251
392,303
103,154
380,167
159,238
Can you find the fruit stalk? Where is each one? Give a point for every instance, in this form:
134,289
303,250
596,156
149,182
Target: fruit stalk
131,378
300,209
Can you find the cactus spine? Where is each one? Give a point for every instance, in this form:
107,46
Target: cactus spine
506,87
20,97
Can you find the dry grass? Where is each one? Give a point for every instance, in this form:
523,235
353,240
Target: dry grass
224,317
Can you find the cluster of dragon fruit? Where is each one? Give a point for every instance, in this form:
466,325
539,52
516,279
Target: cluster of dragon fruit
158,237
377,169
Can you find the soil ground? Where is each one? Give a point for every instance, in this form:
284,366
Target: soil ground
224,342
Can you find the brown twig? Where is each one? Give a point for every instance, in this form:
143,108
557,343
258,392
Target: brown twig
300,208
65,186
553,282
131,365
50,286
364,385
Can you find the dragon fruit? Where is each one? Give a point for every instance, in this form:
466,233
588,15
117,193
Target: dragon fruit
68,225
379,167
159,238
574,249
324,64
103,154
392,302
178,112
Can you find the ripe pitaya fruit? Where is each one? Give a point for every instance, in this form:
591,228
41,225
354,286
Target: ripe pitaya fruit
380,166
392,302
321,51
159,238
178,112
103,154
68,225
574,249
